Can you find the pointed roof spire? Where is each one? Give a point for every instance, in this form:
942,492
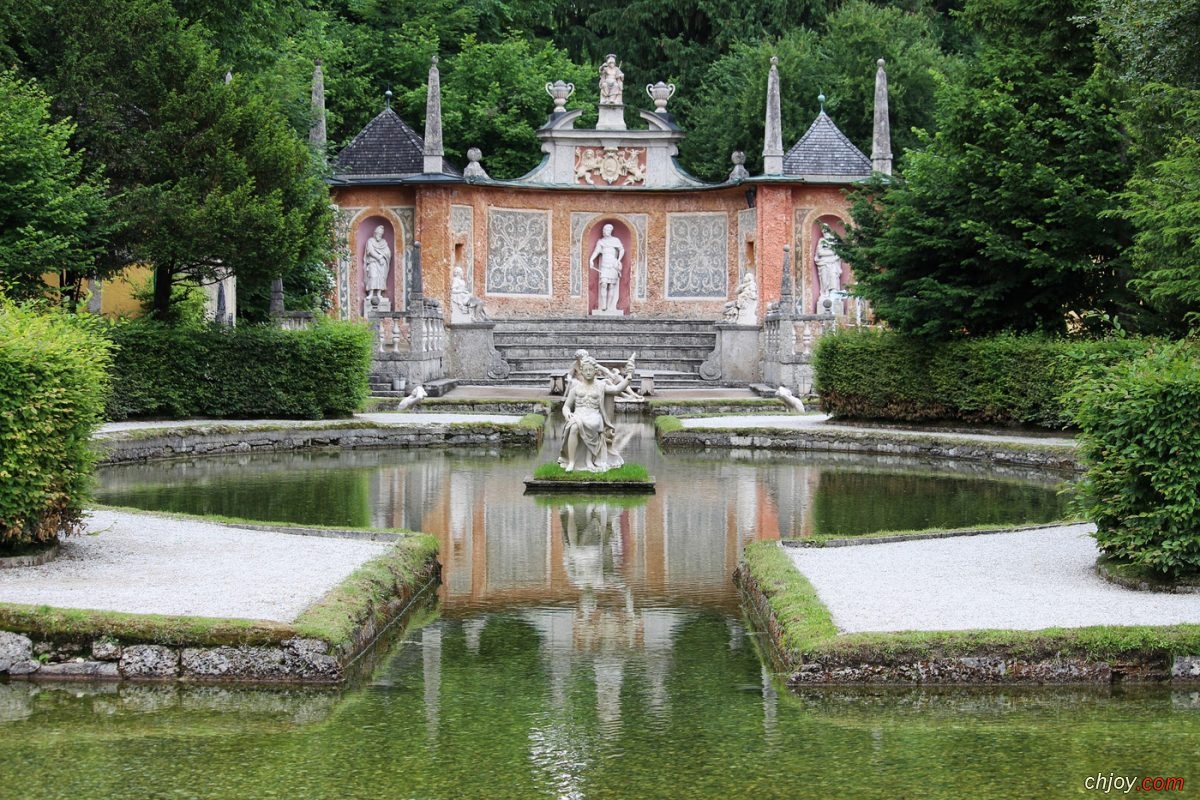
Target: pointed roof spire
316,131
433,120
773,137
881,142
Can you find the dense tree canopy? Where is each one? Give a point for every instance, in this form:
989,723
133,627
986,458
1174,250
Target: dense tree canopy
1003,219
51,211
1016,136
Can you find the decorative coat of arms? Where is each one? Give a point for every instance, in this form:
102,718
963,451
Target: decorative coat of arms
624,166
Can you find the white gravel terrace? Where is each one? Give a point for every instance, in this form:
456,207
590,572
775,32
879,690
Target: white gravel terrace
151,564
1020,580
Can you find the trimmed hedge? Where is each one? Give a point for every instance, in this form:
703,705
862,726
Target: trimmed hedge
1140,435
53,382
1004,380
183,371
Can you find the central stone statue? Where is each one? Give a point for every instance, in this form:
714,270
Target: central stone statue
589,419
610,251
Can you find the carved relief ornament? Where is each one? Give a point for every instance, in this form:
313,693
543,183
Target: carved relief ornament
626,165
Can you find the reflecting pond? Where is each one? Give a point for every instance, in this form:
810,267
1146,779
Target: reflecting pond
584,648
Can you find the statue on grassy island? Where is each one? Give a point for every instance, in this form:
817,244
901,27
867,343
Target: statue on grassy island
612,81
376,261
829,271
464,306
589,417
610,251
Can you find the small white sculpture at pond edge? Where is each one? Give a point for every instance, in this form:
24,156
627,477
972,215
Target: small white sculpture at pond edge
793,402
415,396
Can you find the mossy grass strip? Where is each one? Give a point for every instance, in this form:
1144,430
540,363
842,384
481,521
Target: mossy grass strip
625,473
72,623
804,620
365,593
667,423
743,402
841,540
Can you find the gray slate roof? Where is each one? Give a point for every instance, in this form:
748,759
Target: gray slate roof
825,151
386,148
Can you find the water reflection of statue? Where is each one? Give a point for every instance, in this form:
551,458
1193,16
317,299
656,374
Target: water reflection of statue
612,82
589,421
610,251
376,261
829,271
464,306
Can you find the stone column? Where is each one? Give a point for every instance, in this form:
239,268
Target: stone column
773,137
881,142
433,121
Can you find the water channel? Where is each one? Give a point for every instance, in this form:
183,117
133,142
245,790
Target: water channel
585,648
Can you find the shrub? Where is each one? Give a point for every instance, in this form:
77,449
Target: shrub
1003,379
53,382
1140,439
250,371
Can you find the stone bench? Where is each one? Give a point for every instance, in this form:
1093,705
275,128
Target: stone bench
440,387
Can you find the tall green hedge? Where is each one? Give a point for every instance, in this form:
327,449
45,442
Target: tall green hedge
53,383
1140,434
251,371
1004,380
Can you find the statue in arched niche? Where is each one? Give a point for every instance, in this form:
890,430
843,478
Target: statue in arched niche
829,273
377,261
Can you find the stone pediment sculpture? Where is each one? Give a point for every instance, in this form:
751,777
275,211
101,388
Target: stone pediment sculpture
625,165
612,82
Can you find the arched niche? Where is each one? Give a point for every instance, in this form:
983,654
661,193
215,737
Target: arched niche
392,284
822,223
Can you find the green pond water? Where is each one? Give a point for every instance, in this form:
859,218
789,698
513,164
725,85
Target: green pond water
585,648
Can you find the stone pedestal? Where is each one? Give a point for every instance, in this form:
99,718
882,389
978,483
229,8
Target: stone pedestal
384,306
612,118
616,312
471,352
736,357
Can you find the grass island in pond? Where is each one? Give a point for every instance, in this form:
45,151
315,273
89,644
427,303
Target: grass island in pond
552,477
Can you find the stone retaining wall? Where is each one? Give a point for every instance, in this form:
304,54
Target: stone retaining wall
294,660
1049,457
983,668
123,448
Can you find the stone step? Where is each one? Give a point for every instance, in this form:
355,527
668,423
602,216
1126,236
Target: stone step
626,325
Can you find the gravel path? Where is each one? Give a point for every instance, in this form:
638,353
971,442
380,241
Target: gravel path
148,564
820,422
1023,580
399,418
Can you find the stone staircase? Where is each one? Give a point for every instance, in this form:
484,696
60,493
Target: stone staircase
672,350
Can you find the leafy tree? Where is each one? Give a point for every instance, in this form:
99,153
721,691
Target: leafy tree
1151,44
728,113
1003,220
1164,205
51,211
486,103
206,174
